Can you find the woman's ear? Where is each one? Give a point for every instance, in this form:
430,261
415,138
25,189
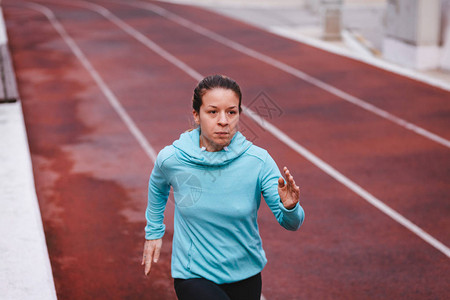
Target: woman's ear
196,116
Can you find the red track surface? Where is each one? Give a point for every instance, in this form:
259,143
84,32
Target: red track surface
91,174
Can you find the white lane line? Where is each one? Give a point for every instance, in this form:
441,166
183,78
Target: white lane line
141,38
278,134
348,183
374,61
115,103
290,70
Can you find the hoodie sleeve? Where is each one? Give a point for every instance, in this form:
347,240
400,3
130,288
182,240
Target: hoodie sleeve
158,193
291,219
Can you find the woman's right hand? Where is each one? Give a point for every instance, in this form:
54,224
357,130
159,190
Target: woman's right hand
152,248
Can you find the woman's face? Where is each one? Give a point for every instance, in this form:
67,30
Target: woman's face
218,118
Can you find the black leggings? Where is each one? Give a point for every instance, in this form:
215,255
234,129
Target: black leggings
203,289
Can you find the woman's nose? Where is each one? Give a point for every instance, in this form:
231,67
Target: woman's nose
223,120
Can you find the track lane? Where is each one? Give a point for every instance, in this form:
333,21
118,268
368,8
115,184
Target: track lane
272,143
413,226
345,249
295,72
91,205
367,136
411,97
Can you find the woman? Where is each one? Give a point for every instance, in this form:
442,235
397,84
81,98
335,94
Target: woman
217,178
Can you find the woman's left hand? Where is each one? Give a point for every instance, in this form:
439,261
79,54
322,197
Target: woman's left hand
289,192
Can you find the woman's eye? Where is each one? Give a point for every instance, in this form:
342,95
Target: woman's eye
212,111
232,112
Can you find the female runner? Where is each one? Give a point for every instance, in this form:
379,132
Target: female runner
218,177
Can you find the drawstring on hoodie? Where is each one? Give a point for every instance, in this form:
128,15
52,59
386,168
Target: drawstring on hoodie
204,148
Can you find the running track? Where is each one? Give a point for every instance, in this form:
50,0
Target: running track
102,91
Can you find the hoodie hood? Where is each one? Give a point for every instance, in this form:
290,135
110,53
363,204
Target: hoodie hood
187,149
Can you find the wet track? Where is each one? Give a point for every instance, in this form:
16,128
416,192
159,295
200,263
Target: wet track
105,90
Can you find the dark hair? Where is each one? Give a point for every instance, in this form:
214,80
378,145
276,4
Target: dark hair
211,82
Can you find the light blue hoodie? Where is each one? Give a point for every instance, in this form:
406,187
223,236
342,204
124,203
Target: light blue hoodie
217,196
